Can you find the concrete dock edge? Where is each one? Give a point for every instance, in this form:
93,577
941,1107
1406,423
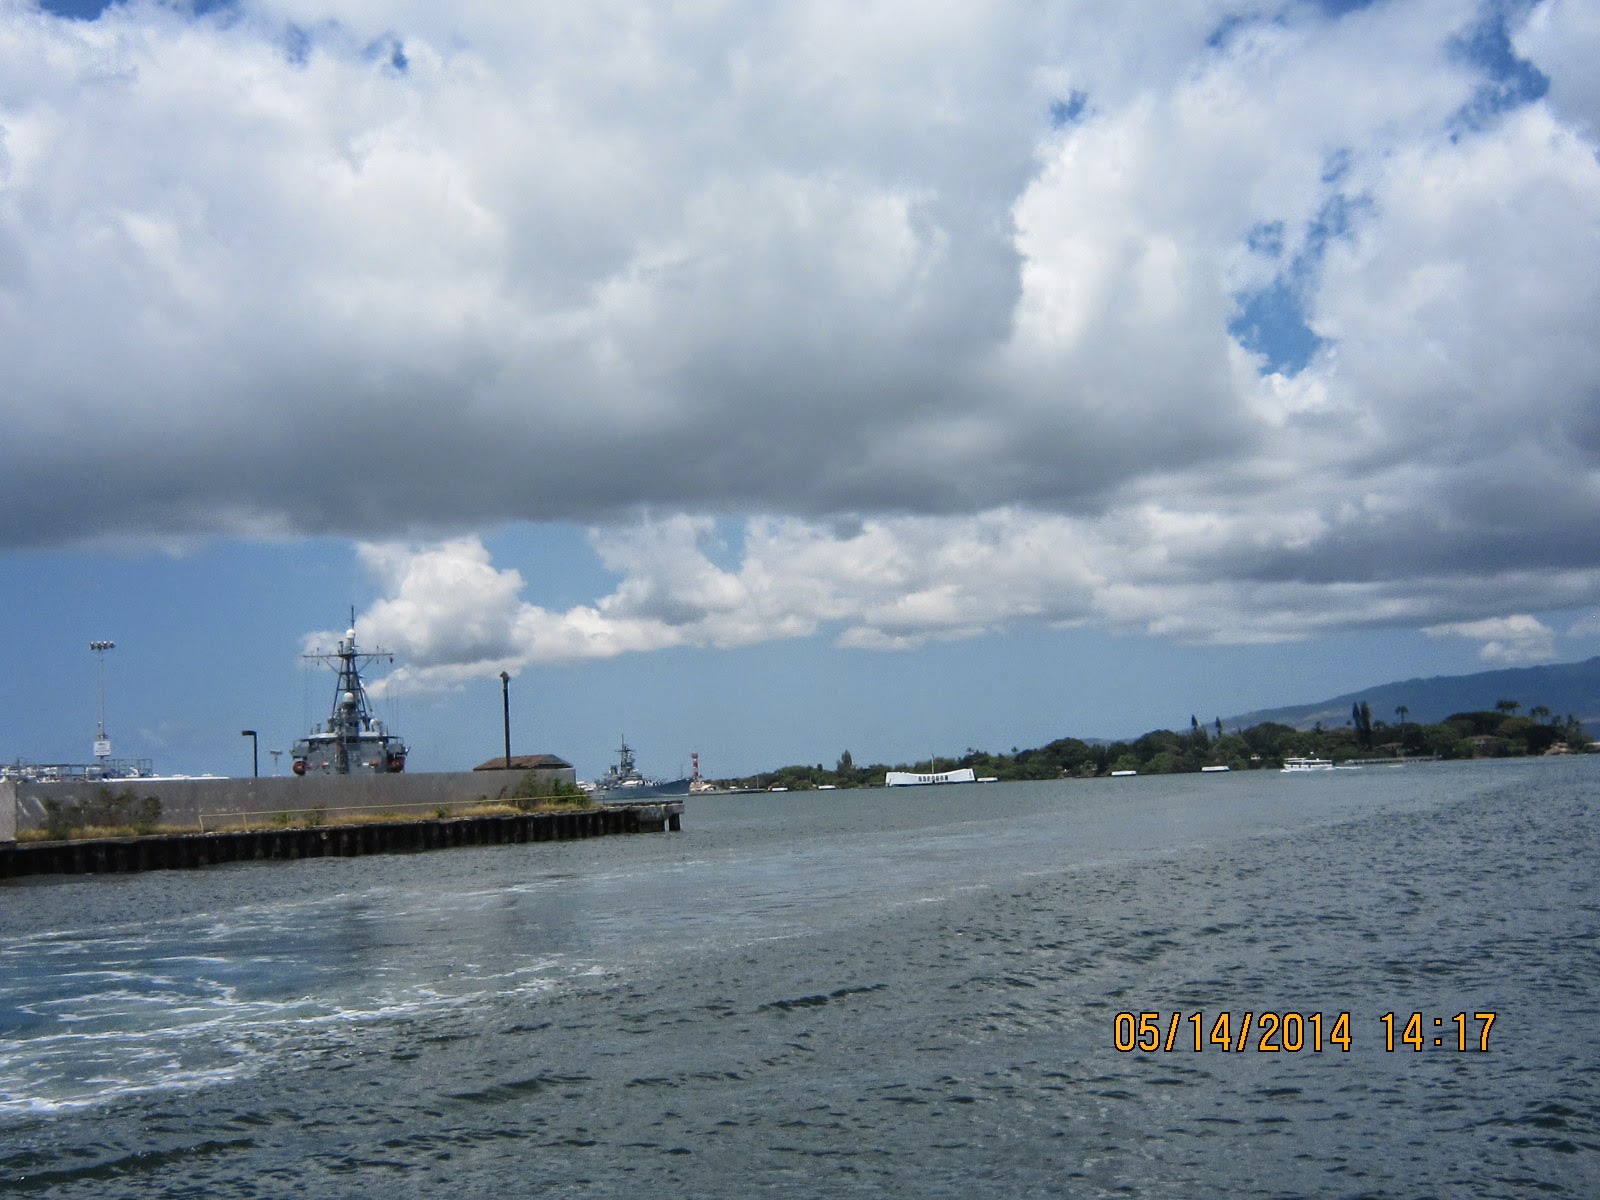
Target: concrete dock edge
192,850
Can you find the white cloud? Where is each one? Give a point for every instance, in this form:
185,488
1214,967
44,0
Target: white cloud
445,603
1562,38
1586,627
944,302
452,616
893,584
1507,641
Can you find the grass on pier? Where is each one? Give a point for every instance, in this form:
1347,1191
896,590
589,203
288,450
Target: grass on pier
315,818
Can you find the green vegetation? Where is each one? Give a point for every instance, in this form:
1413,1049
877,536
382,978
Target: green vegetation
1497,734
533,794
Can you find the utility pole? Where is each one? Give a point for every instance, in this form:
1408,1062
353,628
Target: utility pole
505,697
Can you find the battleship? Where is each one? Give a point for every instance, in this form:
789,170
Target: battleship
353,741
623,782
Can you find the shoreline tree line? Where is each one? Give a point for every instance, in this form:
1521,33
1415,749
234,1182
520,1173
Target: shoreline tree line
1502,732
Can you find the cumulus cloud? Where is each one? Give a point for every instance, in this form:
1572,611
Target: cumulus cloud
1507,641
453,616
1229,325
1559,38
890,584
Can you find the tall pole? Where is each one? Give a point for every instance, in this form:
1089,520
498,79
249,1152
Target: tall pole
505,698
102,744
255,755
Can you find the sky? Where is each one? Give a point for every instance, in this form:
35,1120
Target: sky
770,381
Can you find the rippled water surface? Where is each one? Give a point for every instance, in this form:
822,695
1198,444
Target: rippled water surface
907,993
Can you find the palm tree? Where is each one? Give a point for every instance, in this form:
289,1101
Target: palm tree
1402,712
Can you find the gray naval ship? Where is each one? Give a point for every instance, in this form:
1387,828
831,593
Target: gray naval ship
623,782
353,741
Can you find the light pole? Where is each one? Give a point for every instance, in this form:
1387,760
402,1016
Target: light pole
505,698
276,754
102,744
255,757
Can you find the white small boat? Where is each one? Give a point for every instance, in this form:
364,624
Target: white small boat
1308,764
1122,774
1222,768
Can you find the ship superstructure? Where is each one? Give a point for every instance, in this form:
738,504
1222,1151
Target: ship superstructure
352,741
623,782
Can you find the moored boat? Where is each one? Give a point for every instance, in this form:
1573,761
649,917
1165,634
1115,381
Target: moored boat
1307,764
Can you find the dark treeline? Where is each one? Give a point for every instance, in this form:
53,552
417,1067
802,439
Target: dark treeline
1501,733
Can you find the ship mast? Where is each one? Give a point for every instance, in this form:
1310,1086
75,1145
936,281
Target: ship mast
351,715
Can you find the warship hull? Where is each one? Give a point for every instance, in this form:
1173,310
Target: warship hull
652,789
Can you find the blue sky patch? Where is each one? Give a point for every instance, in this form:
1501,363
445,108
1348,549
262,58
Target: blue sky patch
1336,220
1067,112
1267,239
1231,24
1272,320
392,49
297,45
75,10
1512,81
1223,33
91,10
1337,166
1338,8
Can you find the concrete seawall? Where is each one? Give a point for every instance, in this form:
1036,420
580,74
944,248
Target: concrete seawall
208,803
190,850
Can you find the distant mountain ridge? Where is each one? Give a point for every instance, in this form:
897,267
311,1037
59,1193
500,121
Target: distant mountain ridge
1563,688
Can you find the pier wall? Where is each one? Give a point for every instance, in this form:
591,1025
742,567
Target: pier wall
208,803
192,850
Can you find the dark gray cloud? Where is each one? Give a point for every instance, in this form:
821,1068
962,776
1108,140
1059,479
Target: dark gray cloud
1245,324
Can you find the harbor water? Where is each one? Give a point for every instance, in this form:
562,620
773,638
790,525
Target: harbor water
889,993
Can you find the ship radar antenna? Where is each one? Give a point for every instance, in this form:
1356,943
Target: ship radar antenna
352,739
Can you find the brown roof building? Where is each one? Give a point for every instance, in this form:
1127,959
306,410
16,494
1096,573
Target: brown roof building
525,762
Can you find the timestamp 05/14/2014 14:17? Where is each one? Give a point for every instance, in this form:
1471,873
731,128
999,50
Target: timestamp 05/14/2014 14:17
1292,1032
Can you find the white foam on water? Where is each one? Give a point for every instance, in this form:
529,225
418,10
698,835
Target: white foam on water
108,1045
